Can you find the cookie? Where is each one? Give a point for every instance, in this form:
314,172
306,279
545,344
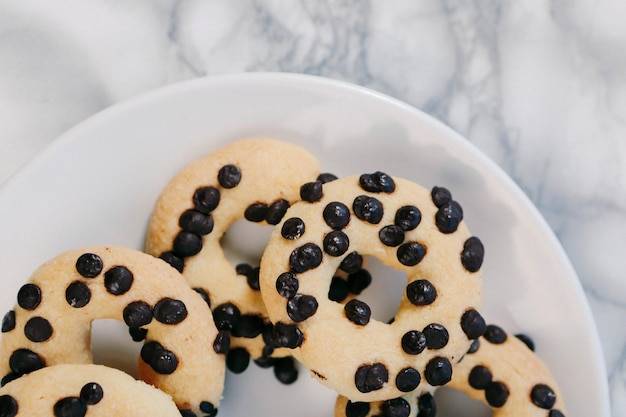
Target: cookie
408,228
51,323
254,179
72,390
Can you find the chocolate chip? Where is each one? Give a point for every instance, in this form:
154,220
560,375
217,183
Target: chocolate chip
473,324
479,377
336,215
448,217
438,371
203,294
301,306
29,296
421,292
391,235
495,334
255,212
436,336
89,265
276,211
408,218
237,360
413,342
70,407
161,360
474,346
187,244
359,281
368,209
77,294
38,329
137,314
226,316
292,228
285,370
118,280
358,312
311,191
357,409
426,405
221,344
8,406
287,335
252,278
440,196
8,321
526,340
206,199
396,407
208,409
195,222
351,263
370,378
11,376
555,413
249,326
24,361
543,396
187,413
377,182
336,243
91,393
473,254
410,253
496,394
137,333
408,379
287,284
305,257
173,260
338,290
325,177
229,176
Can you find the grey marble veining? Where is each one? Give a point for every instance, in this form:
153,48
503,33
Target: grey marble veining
539,87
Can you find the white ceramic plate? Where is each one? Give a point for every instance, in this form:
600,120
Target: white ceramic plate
97,183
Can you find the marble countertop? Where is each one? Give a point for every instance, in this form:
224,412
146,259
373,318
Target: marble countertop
539,87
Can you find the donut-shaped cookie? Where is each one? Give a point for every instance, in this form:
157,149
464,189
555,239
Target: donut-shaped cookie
254,179
51,323
407,228
72,390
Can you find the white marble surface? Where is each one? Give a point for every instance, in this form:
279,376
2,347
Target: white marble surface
539,87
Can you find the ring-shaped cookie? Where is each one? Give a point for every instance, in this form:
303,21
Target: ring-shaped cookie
406,227
72,390
255,179
51,323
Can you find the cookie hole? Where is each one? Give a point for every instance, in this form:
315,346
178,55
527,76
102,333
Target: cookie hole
112,346
451,403
245,241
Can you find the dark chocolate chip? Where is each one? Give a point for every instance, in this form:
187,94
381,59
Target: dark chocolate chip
473,324
357,409
252,278
89,265
77,294
276,211
555,413
118,280
229,176
287,335
436,336
440,196
226,316
292,228
336,215
38,329
526,340
70,407
543,396
287,284
195,222
161,360
305,257
285,370
237,360
495,334
421,292
187,413
474,346
204,295
408,379
368,209
243,269
413,342
351,263
311,191
396,407
206,199
24,361
448,217
137,333
370,378
410,253
8,321
408,218
473,254
325,177
426,406
249,326
391,235
91,393
187,244
359,280
221,344
11,376
496,394
358,312
8,406
29,296
336,243
438,371
338,290
137,314
301,306
173,260
479,377
377,182
208,409
255,212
